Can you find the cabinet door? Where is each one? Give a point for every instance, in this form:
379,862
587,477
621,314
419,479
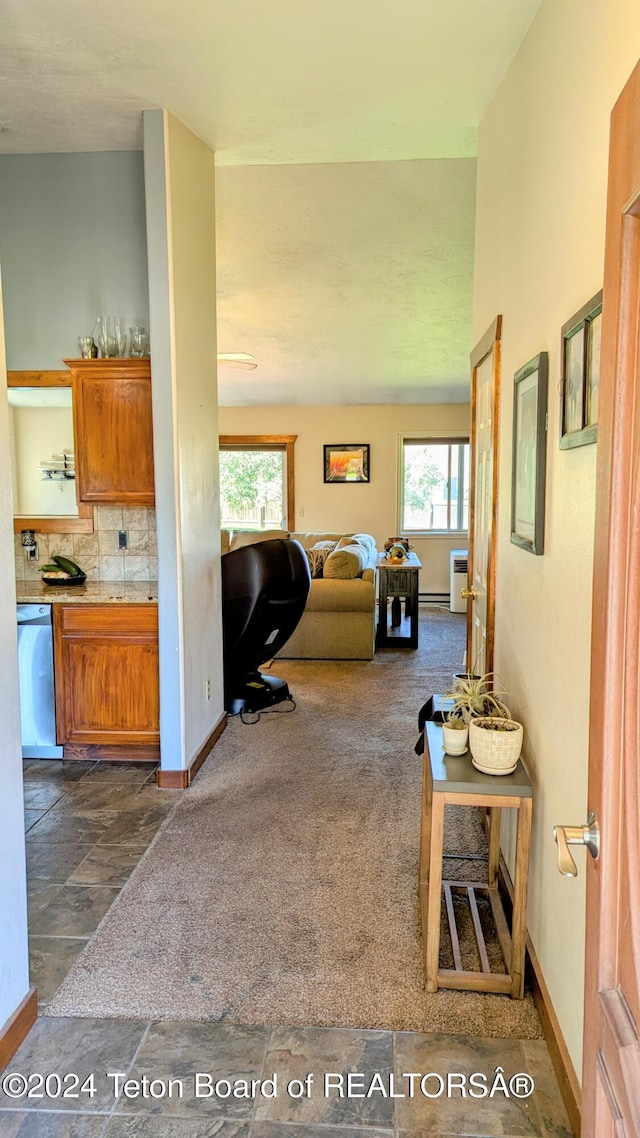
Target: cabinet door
113,430
106,673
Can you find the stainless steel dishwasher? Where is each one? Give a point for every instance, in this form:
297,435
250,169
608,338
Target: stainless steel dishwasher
35,665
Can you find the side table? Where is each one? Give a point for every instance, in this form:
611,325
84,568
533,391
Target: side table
397,583
453,780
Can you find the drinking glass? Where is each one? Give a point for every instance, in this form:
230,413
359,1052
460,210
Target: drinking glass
104,336
120,335
86,345
139,342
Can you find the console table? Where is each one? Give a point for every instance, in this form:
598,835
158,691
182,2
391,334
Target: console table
397,583
453,780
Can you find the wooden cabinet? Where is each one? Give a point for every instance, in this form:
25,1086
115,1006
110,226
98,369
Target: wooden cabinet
113,430
106,674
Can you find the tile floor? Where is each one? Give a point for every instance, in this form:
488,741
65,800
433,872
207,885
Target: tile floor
88,826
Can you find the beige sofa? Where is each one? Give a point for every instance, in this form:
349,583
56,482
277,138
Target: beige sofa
339,619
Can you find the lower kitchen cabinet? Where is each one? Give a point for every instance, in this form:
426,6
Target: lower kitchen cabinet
106,675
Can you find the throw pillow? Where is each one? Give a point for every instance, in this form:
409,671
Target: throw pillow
346,563
317,557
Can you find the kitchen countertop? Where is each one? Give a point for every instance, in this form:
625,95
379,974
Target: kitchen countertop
94,592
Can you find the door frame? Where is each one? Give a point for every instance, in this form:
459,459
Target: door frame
488,343
611,1064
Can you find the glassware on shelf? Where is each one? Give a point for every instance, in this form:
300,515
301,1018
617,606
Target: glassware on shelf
88,349
139,347
120,336
104,336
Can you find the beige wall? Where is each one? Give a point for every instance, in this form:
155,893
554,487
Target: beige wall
38,433
539,256
372,507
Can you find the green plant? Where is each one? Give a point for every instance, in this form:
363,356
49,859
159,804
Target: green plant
455,720
496,723
473,697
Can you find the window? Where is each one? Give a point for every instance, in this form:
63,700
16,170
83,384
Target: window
256,481
434,485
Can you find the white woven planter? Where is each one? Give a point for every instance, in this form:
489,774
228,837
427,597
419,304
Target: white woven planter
495,752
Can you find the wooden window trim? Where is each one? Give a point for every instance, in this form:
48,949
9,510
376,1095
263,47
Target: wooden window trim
276,442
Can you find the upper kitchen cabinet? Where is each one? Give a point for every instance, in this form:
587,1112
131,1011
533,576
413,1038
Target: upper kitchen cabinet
113,430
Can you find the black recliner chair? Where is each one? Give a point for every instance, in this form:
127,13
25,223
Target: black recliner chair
264,591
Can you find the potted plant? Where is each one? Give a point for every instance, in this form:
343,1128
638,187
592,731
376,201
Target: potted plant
472,697
455,733
495,738
495,743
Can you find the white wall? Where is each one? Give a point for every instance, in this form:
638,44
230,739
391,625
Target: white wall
72,235
371,507
14,954
180,196
542,172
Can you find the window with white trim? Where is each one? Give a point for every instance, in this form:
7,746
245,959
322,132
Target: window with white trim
434,485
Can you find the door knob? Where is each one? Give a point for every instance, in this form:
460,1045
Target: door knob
566,836
464,593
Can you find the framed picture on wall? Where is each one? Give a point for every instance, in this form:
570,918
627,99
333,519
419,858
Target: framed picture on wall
529,459
581,375
346,462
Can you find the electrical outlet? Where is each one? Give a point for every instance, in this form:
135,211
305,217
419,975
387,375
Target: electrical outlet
32,552
207,690
123,539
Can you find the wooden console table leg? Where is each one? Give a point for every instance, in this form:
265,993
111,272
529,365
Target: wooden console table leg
434,901
519,918
495,814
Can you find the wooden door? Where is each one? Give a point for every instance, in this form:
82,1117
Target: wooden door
113,430
483,497
611,1072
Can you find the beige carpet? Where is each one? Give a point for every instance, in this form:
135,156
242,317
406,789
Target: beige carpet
282,888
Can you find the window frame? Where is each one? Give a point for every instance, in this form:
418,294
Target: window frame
283,443
443,438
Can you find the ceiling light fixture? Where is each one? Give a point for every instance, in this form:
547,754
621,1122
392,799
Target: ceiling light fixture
238,359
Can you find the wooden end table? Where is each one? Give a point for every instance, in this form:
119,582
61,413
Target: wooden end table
451,780
398,583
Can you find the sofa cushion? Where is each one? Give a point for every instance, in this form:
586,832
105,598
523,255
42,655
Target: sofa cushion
334,596
346,562
307,540
240,538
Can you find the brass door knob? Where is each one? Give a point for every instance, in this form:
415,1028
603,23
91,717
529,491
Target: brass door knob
464,593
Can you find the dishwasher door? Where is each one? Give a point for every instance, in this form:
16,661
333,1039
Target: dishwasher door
35,666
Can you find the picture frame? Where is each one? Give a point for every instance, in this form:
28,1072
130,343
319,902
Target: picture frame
346,462
529,457
580,382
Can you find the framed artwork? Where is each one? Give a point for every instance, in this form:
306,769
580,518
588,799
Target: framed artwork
581,375
346,462
529,457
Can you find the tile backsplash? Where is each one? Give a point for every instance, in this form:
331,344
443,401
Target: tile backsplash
97,553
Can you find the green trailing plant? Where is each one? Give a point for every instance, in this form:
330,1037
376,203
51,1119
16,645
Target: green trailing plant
473,697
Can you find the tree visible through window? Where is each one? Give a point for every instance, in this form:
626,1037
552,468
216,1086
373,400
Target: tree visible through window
434,485
252,489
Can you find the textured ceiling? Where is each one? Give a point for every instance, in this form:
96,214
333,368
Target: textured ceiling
344,132
283,81
349,282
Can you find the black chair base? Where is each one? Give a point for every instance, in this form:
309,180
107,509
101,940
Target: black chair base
248,694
